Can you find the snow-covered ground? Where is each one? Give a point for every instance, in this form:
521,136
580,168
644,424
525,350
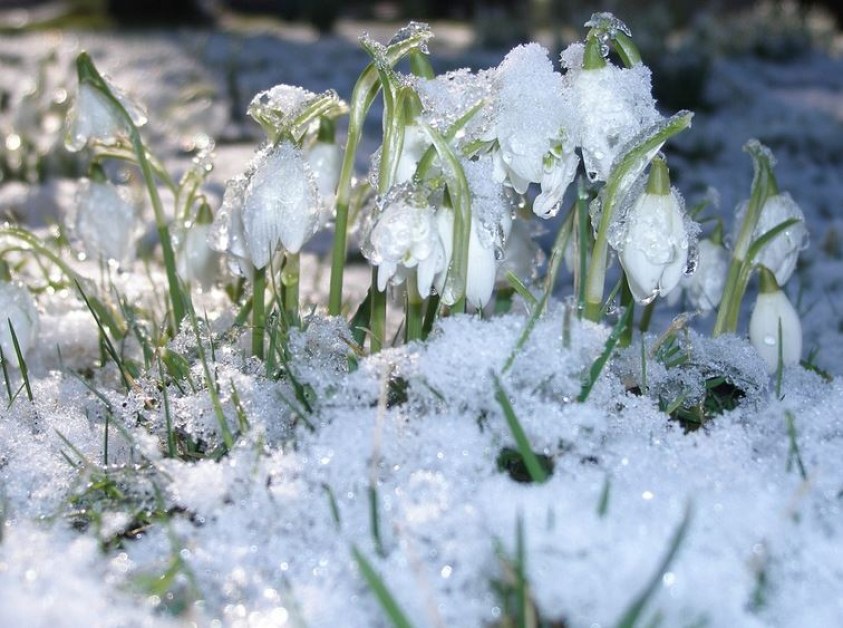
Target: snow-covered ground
267,535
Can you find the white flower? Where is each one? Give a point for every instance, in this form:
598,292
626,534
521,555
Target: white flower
611,105
104,220
781,253
325,160
654,249
281,203
521,255
413,149
405,236
482,263
227,234
705,287
17,307
773,308
529,115
197,261
94,117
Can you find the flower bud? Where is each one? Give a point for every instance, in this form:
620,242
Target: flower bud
773,311
781,253
654,250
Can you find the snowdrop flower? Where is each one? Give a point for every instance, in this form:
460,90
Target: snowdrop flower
705,287
482,263
611,106
521,255
781,253
773,309
529,117
413,149
654,249
94,117
404,237
18,308
197,261
104,220
227,234
325,161
281,203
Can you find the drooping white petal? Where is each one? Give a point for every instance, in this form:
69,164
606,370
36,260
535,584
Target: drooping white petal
104,220
554,182
281,204
705,287
771,308
482,269
197,261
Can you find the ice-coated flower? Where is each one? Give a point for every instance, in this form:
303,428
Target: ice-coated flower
104,220
781,253
227,234
17,307
772,311
197,261
654,247
404,237
281,203
413,149
325,160
482,262
94,117
610,105
705,287
529,115
521,255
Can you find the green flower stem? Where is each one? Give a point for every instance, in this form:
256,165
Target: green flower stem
415,310
460,197
290,279
362,96
740,267
258,311
592,58
625,172
377,319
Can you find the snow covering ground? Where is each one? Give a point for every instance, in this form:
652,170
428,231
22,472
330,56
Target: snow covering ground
265,536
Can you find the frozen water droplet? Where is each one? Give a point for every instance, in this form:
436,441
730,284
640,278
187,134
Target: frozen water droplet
770,341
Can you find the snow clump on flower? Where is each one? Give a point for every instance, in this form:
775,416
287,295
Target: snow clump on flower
611,106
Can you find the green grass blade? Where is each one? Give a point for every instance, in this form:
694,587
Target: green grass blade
531,461
24,371
387,601
600,362
632,615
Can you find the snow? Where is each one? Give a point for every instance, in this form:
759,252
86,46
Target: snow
252,539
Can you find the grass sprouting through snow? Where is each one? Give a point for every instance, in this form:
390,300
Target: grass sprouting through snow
387,601
598,364
633,614
531,461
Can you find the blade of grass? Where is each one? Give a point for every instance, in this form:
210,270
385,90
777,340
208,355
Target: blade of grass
387,601
24,371
600,362
531,461
630,618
